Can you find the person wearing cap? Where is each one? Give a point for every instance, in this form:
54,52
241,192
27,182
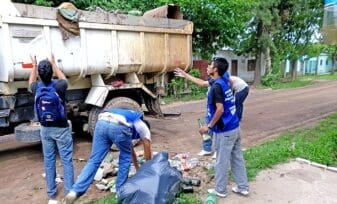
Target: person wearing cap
56,136
114,126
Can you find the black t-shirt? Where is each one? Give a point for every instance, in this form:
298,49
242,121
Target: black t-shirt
217,97
61,88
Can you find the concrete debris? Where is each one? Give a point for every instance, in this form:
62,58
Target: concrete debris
102,187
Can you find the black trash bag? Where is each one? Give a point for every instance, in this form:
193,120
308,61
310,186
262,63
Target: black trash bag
155,182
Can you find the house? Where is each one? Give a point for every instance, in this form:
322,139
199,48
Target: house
321,64
242,66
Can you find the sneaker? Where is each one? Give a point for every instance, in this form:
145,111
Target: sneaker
71,197
204,153
236,190
52,201
214,155
222,195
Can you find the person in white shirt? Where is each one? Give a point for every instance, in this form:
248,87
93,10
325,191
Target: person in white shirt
241,91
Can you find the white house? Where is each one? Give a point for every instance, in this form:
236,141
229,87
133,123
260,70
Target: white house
321,64
242,66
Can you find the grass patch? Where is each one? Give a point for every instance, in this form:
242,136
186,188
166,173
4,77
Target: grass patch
182,199
321,77
317,144
301,81
291,84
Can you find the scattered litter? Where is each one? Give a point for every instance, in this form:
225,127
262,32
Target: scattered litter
102,187
182,162
80,159
99,174
58,178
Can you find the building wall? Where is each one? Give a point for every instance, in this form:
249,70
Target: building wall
242,68
323,66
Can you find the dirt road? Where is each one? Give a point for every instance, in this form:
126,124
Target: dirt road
266,113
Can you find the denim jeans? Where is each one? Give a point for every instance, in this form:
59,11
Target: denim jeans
57,139
106,133
229,154
207,145
240,97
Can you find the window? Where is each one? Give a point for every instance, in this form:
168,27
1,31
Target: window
320,62
327,62
251,65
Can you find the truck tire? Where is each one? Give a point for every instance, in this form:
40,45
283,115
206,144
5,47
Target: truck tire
28,133
118,102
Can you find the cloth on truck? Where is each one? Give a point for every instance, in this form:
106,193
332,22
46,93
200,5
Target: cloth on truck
155,182
68,17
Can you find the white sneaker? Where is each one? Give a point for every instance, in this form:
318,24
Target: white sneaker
214,155
204,153
71,197
244,192
222,195
52,201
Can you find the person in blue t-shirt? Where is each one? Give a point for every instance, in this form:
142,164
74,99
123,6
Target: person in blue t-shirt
56,135
224,123
114,126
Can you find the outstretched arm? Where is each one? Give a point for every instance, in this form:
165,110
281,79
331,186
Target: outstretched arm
181,73
56,69
33,74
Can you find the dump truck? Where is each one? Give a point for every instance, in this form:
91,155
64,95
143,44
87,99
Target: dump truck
115,61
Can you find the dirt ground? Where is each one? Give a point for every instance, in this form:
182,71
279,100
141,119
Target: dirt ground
266,114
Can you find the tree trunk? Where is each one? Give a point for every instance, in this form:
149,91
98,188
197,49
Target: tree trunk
317,64
268,61
257,73
334,60
258,55
293,70
333,65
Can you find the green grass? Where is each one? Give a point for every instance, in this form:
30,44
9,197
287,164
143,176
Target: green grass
317,144
291,84
322,77
182,199
301,81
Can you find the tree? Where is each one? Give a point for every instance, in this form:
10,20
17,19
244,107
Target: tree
300,20
217,23
258,36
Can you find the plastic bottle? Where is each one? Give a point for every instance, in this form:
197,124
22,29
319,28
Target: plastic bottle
205,136
211,198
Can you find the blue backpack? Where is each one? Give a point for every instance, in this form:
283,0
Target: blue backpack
48,105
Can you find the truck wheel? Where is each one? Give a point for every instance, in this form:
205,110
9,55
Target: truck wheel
118,102
26,132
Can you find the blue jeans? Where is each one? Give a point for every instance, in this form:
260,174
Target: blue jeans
57,139
207,145
240,97
229,154
106,133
